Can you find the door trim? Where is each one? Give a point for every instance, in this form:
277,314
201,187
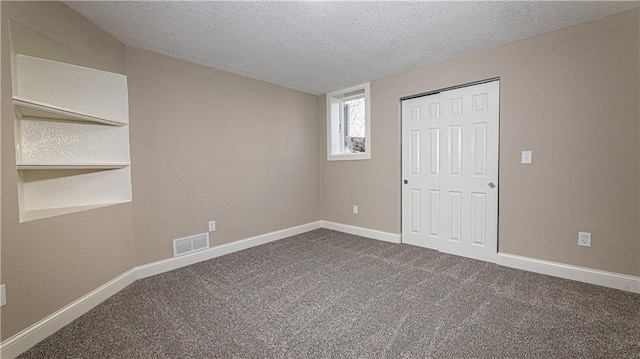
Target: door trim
468,84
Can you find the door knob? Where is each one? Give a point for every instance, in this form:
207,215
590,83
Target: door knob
405,181
492,185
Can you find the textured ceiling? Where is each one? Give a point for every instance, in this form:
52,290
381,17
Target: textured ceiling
319,47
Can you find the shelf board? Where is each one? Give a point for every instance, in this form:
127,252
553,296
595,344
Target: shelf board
71,166
34,110
33,214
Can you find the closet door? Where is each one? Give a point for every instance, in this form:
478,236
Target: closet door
458,202
421,171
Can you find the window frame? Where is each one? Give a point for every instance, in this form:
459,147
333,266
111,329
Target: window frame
336,123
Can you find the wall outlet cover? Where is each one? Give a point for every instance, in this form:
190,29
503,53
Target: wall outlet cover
212,226
355,209
584,239
3,295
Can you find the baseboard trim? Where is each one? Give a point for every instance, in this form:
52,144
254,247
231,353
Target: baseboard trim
582,274
361,231
34,334
150,269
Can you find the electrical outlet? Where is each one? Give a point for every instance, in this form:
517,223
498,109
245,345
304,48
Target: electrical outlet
212,226
584,239
355,209
3,295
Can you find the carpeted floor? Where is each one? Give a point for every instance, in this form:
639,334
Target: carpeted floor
325,294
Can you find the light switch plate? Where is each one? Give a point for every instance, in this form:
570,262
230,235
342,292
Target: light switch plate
526,157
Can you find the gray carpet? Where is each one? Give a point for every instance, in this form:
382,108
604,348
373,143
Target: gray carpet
325,294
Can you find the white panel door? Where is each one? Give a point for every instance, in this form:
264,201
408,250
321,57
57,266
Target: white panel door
467,179
421,171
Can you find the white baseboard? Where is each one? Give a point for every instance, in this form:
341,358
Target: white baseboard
34,334
582,274
31,336
147,270
363,232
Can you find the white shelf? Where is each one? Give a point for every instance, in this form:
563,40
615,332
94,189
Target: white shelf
30,215
28,109
53,192
72,137
70,89
71,166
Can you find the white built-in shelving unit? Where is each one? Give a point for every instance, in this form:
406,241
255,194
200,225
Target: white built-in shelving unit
72,137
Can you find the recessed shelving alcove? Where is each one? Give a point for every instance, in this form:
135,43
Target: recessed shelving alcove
71,132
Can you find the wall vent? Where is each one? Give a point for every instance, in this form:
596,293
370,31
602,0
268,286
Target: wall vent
191,244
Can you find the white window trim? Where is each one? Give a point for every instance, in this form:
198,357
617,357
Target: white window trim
333,127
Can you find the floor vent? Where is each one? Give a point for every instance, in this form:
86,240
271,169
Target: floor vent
191,244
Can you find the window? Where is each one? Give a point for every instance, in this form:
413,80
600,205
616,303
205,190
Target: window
348,125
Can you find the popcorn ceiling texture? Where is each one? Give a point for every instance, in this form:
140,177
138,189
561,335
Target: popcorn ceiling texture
319,47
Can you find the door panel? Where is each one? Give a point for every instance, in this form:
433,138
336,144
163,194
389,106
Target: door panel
434,212
455,216
415,211
478,218
455,150
479,150
434,152
457,208
415,152
421,168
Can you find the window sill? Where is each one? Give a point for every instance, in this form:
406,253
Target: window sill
349,157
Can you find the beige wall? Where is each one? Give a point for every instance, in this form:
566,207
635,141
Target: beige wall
1,52
46,264
207,144
571,96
